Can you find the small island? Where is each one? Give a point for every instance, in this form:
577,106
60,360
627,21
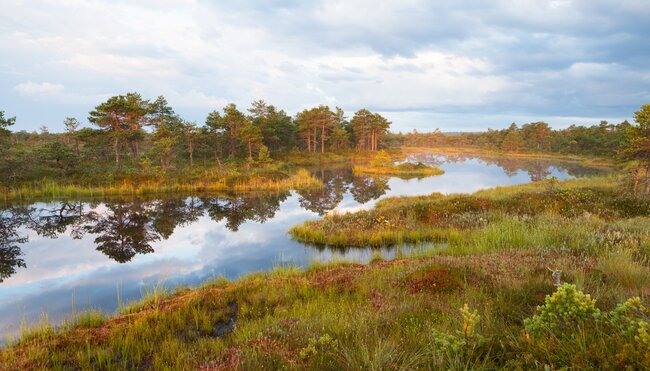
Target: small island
383,165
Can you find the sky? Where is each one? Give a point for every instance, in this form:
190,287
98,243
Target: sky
457,65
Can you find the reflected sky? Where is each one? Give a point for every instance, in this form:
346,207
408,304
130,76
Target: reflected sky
94,250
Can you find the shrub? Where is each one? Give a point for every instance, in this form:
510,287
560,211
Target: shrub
562,312
466,339
630,318
263,157
382,158
318,345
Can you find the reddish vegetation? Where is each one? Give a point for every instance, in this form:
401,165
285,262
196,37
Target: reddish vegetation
229,361
341,277
432,276
436,279
377,299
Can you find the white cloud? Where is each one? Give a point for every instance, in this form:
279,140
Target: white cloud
195,99
35,89
123,66
559,58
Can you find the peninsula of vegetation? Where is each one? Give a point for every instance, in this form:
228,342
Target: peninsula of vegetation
547,275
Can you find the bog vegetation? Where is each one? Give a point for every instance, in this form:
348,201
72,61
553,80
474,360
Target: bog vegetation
547,275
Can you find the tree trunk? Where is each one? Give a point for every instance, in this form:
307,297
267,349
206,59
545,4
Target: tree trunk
315,137
191,149
636,175
232,142
250,150
216,151
322,138
116,145
647,179
309,141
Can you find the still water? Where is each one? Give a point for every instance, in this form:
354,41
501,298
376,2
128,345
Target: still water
93,249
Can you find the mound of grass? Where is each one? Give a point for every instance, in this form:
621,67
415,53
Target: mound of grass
405,170
542,216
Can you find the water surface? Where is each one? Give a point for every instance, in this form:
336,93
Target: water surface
50,251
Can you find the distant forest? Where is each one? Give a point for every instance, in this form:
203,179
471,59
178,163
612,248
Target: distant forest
604,139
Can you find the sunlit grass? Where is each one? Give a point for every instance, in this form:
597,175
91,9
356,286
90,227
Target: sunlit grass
548,214
258,182
402,170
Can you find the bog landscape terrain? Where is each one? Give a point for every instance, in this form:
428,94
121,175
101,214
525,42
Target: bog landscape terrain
260,240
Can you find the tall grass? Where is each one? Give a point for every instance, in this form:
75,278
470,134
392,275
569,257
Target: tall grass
620,266
339,316
151,296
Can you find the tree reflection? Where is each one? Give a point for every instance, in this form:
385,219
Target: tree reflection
168,214
54,220
537,169
237,209
366,188
323,199
10,253
123,231
335,184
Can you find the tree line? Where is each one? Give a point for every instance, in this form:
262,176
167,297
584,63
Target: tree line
139,134
604,139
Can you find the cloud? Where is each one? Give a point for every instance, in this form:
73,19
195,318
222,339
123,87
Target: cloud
123,66
35,89
473,58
